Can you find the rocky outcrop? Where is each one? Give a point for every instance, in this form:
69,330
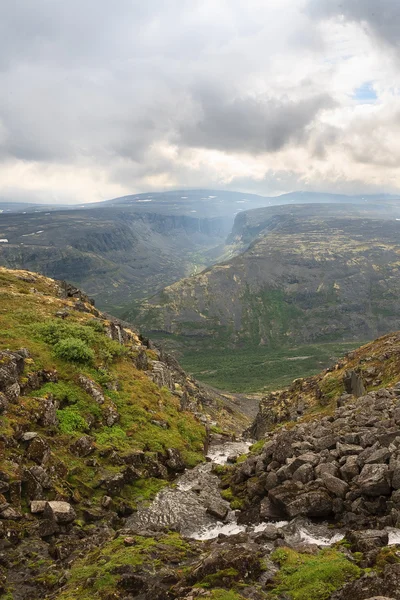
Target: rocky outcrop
344,466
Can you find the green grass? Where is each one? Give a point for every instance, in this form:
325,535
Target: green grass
316,577
260,368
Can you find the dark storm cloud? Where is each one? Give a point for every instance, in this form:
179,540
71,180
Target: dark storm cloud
247,124
381,16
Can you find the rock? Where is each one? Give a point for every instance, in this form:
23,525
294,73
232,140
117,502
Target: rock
350,469
353,383
367,540
326,468
374,480
10,513
60,512
3,403
109,409
29,436
304,474
219,510
380,456
327,442
348,449
83,446
48,412
38,506
175,461
48,527
38,450
335,485
295,501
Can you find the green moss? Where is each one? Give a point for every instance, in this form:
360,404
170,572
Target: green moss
220,594
223,577
388,555
257,447
70,421
305,576
96,576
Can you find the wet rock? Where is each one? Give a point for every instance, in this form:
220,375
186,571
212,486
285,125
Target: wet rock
367,540
219,510
296,501
175,461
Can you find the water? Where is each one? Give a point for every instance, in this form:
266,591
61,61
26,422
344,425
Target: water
184,507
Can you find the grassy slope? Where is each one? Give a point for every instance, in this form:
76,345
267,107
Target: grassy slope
27,320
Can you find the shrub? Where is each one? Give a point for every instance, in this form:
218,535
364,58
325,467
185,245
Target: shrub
74,350
71,421
53,331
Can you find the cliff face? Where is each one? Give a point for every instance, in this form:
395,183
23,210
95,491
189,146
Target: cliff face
115,253
306,279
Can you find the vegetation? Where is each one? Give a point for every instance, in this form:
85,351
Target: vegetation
306,576
257,368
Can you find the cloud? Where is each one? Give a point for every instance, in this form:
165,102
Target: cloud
381,17
102,99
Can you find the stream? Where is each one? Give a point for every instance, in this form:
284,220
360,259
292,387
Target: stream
194,507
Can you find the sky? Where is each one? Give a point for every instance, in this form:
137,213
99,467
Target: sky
100,99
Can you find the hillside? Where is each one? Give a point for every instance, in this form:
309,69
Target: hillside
93,419
321,277
104,492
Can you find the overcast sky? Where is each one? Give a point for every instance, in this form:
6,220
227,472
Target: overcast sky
102,98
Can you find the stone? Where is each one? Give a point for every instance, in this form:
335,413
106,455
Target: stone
380,456
348,449
367,540
374,480
326,468
327,442
61,512
350,469
29,436
38,450
295,501
175,461
304,474
217,509
83,446
38,506
353,383
335,485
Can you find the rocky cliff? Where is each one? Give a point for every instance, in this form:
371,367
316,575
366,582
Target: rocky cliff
307,279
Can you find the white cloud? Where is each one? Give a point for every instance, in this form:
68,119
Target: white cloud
102,99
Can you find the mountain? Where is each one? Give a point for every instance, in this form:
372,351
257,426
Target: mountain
126,249
104,491
305,275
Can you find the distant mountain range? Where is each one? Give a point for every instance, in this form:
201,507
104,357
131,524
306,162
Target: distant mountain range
126,249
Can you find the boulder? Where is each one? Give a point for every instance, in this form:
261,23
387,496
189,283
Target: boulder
374,480
353,383
335,485
367,540
60,512
296,501
38,450
175,461
83,446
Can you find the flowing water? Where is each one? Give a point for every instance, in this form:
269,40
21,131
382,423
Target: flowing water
189,507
